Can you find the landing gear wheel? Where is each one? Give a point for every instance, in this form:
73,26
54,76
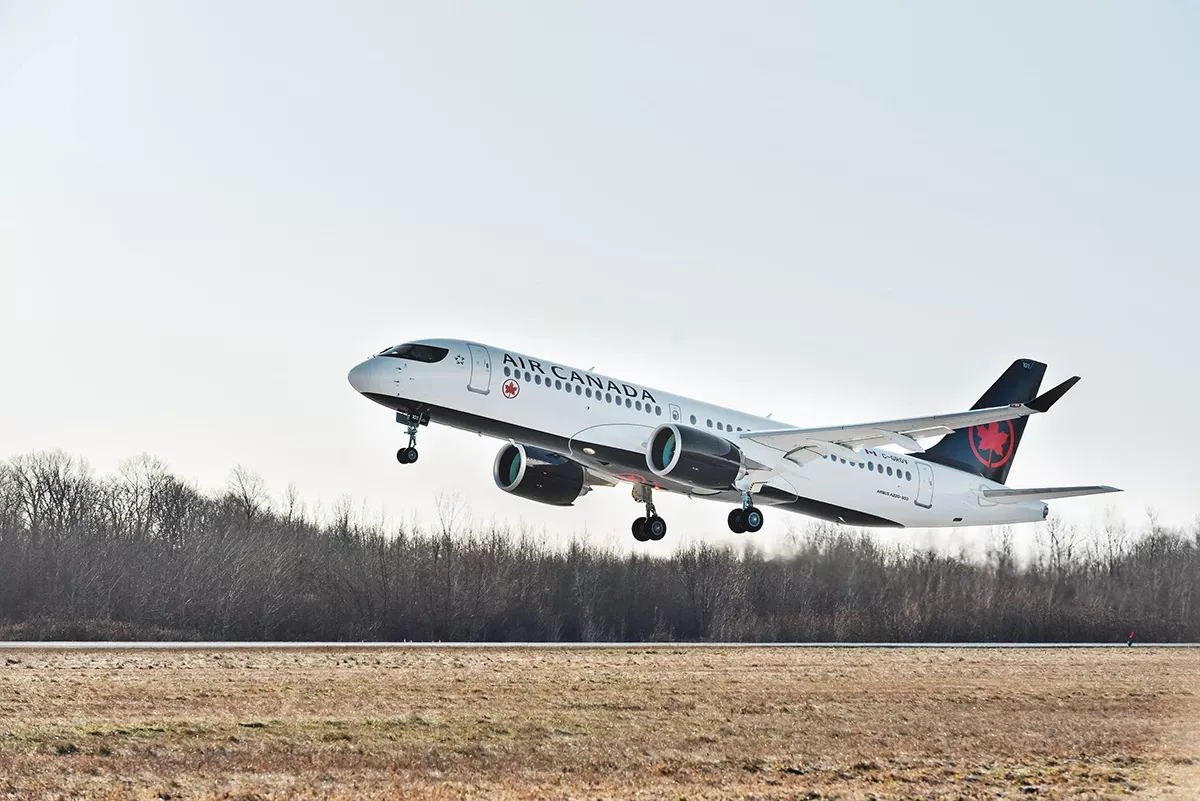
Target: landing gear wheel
406,455
737,522
639,530
650,527
752,518
655,528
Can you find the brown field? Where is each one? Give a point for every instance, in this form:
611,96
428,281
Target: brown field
652,722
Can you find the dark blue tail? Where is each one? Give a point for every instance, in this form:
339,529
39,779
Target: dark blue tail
988,450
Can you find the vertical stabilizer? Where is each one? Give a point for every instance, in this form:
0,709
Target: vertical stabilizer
988,450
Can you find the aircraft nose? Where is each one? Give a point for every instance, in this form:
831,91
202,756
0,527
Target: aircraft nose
360,376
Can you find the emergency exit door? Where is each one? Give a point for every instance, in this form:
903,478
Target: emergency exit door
924,485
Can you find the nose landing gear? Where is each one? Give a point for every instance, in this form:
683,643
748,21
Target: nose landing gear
408,455
651,527
748,518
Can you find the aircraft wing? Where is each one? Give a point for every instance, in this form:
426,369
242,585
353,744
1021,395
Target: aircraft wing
806,444
1042,493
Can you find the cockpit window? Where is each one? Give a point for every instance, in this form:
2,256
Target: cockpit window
418,353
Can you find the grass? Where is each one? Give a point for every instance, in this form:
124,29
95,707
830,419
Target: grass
612,723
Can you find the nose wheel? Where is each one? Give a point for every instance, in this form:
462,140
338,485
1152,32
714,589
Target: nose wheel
748,518
409,455
650,528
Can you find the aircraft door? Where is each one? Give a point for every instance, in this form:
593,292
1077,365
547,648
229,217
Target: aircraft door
676,415
924,485
481,370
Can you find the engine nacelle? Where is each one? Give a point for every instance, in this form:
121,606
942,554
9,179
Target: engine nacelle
538,475
693,457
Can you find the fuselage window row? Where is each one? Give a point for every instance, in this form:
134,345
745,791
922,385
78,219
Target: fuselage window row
906,474
580,390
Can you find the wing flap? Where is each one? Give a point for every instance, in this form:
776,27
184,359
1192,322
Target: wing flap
1042,493
904,432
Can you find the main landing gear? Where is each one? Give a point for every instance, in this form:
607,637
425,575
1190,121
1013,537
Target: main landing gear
651,527
748,518
408,455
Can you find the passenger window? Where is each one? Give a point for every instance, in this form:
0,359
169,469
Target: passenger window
693,419
608,397
720,427
861,465
658,410
907,476
871,466
578,390
843,461
628,403
557,384
709,423
507,372
537,379
889,471
528,377
638,406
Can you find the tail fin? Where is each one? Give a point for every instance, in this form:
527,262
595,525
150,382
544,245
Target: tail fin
988,450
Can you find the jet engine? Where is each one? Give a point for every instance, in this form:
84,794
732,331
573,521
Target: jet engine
538,475
693,457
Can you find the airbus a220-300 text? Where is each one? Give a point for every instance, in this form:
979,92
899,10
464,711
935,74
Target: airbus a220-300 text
568,430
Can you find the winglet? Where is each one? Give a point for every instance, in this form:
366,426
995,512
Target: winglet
1043,402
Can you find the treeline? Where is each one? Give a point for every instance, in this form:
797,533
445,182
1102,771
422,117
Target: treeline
143,554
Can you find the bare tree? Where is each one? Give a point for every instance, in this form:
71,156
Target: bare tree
248,492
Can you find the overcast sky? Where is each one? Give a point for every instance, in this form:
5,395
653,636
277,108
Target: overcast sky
832,212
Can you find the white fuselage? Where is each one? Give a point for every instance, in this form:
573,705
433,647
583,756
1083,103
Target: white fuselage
604,424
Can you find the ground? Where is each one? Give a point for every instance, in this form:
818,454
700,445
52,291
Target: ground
652,722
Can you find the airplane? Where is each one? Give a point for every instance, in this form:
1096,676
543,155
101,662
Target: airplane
568,430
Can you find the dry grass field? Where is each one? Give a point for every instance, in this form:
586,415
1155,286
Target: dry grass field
652,722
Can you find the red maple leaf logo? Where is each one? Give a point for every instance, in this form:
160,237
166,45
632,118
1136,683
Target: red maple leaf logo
511,388
991,438
995,439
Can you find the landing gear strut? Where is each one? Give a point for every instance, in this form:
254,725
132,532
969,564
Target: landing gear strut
748,518
408,455
651,527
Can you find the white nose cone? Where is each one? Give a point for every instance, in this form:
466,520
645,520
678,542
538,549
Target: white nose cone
360,376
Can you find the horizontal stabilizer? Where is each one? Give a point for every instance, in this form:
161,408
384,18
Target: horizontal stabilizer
1042,493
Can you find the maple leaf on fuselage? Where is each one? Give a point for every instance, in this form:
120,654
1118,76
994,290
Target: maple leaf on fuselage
992,438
